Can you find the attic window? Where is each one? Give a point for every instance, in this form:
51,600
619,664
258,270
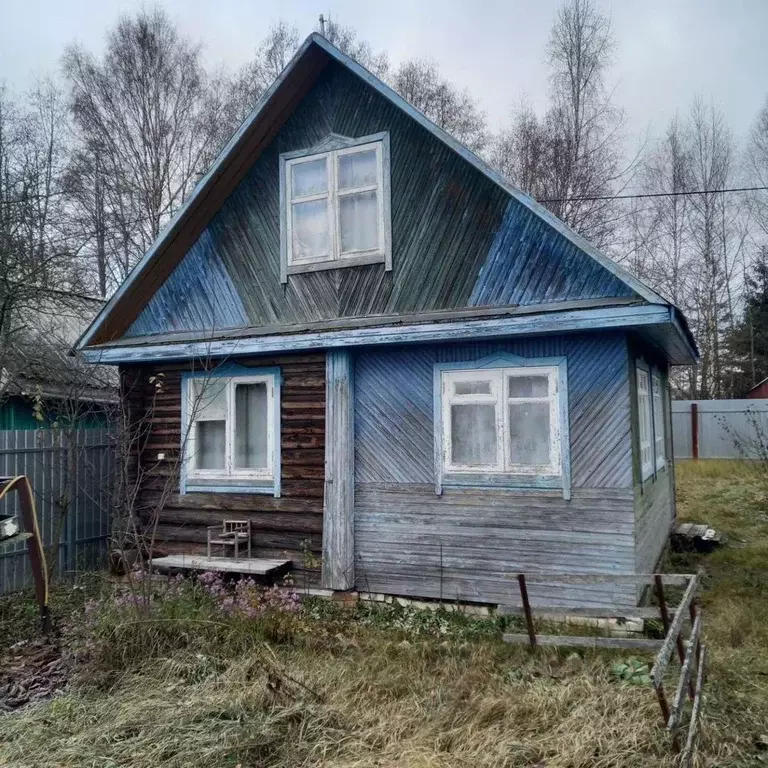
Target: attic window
335,205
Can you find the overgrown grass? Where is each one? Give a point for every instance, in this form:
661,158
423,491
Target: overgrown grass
391,686
732,497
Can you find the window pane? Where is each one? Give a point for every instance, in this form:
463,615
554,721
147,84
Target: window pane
529,434
310,230
210,444
357,169
528,386
310,178
473,434
472,388
358,222
251,426
209,399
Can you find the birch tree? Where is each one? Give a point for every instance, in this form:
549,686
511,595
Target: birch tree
574,150
139,113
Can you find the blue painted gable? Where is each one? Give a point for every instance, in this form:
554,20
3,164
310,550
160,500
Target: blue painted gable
459,238
199,295
529,262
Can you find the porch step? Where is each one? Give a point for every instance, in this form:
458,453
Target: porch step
253,566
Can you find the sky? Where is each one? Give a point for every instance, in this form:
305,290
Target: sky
668,50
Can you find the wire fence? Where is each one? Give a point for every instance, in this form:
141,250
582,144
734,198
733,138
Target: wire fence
71,476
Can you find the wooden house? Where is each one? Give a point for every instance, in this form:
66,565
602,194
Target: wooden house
417,370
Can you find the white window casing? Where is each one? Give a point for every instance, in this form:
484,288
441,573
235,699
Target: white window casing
231,430
501,421
645,423
658,421
335,206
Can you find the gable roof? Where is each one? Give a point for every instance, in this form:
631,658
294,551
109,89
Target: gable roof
230,167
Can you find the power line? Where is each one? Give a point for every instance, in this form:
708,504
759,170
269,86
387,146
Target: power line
651,194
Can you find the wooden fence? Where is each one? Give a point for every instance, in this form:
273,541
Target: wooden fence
71,477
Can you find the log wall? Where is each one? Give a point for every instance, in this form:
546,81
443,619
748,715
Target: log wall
290,526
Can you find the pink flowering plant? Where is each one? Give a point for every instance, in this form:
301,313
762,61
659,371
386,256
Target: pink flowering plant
153,615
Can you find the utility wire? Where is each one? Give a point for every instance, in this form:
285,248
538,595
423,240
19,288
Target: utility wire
651,194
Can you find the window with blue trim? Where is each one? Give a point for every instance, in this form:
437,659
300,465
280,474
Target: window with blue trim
231,425
502,421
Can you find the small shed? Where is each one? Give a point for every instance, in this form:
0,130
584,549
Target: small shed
388,359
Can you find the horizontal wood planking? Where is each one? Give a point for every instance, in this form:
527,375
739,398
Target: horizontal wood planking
394,406
459,239
280,526
466,544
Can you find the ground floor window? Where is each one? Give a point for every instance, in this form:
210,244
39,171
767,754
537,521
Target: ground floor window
501,423
231,431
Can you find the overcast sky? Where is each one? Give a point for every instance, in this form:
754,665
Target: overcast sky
668,50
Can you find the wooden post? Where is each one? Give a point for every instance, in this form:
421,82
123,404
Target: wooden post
527,609
339,500
658,581
695,431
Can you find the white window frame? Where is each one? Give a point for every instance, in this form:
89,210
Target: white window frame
644,422
331,150
231,478
659,430
499,381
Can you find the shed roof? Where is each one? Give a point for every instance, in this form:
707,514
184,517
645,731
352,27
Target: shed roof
256,132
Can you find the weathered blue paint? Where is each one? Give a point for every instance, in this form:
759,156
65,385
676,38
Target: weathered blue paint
230,369
468,480
530,262
395,408
636,317
198,295
372,106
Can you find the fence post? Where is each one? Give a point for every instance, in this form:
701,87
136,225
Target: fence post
695,431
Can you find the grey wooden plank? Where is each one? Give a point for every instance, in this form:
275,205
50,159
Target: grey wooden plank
690,744
339,501
662,659
254,566
571,641
685,675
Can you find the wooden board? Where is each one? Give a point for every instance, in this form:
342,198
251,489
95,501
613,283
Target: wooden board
252,566
571,641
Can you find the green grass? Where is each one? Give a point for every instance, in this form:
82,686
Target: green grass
390,686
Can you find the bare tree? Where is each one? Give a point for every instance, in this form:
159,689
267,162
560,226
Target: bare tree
420,83
347,41
139,111
574,151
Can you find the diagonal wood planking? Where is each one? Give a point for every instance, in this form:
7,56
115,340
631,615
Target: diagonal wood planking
458,239
394,406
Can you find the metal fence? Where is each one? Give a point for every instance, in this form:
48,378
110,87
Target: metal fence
71,478
719,429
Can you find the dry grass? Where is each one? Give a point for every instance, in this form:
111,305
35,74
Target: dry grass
390,695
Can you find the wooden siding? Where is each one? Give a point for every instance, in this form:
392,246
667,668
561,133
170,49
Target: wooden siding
281,526
458,238
403,529
394,407
653,519
469,544
199,296
338,524
529,262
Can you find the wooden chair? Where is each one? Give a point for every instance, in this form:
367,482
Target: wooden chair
231,533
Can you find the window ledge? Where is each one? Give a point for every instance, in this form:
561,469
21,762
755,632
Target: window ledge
348,261
213,486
